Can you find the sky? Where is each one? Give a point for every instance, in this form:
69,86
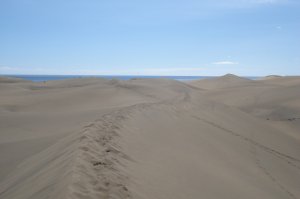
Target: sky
150,37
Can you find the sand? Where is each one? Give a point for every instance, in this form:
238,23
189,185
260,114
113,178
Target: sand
227,137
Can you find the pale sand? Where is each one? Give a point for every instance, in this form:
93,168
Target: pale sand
227,137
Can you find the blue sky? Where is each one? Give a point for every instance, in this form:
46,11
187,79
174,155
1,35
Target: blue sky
157,37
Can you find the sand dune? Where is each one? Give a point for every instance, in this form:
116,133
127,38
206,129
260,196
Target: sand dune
270,77
276,100
284,81
225,81
11,80
227,137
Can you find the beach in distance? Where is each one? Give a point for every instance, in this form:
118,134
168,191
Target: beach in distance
226,137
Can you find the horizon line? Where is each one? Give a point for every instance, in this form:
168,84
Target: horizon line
143,75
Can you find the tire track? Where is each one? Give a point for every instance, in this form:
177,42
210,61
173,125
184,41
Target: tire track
287,158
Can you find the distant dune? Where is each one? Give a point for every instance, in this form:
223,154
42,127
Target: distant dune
227,137
11,80
284,81
228,80
269,77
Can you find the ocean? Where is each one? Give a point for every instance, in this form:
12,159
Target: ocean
40,78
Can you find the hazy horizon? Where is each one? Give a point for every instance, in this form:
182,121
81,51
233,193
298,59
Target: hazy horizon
141,75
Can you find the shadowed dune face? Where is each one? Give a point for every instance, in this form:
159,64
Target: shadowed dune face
150,138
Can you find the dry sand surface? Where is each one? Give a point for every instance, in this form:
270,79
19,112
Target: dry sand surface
227,137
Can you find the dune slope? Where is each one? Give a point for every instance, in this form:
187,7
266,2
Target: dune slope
139,139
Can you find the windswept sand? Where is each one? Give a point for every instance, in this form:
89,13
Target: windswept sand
227,137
